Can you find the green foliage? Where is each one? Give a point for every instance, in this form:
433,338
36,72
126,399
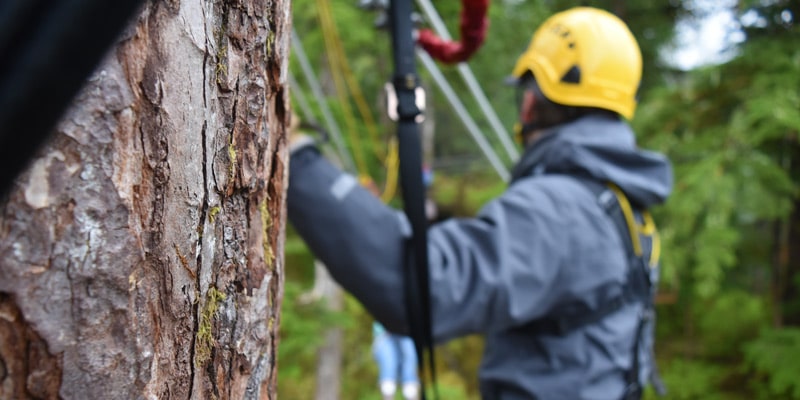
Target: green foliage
464,195
687,379
732,134
365,51
302,332
773,357
727,160
450,386
734,308
705,361
458,362
360,373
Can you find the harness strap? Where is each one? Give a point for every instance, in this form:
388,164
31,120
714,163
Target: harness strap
638,287
630,220
643,248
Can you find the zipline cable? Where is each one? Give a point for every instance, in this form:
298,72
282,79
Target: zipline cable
309,121
352,84
335,62
469,78
341,71
316,89
302,101
391,160
459,108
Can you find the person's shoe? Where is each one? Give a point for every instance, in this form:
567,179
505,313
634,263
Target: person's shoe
411,391
387,390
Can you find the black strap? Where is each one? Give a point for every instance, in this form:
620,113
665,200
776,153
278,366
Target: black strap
564,324
48,49
417,285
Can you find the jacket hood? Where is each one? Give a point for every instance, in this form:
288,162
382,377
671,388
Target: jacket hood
603,148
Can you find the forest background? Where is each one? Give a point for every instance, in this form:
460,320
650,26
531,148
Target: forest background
728,304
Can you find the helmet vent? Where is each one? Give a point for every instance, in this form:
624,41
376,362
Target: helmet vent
572,76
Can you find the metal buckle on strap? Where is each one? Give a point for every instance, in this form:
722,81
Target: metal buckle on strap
607,199
392,103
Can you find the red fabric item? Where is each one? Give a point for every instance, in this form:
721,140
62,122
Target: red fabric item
474,23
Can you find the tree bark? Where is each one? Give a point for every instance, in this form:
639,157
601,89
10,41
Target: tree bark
141,254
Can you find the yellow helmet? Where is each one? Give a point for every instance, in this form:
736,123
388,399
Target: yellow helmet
585,57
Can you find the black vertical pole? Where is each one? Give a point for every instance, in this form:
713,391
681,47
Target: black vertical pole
406,82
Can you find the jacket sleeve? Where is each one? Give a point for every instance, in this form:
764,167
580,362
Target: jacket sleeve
358,238
487,273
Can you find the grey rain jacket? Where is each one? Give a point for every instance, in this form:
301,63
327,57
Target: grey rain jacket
543,246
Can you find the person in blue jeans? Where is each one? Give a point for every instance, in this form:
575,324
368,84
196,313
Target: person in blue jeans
397,361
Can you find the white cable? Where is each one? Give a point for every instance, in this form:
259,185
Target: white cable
302,101
316,88
472,83
459,108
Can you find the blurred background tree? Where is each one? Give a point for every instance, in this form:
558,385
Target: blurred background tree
729,310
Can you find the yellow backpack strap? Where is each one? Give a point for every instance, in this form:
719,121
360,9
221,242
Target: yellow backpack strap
648,228
627,211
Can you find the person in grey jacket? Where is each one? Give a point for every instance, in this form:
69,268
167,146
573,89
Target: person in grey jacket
544,247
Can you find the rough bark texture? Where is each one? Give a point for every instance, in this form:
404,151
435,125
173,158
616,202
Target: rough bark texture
141,254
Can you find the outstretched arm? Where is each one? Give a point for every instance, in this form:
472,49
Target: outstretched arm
483,276
359,239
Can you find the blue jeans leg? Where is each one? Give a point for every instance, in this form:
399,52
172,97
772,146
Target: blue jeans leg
385,352
409,364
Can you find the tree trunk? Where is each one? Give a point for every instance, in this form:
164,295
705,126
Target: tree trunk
786,280
329,359
142,252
